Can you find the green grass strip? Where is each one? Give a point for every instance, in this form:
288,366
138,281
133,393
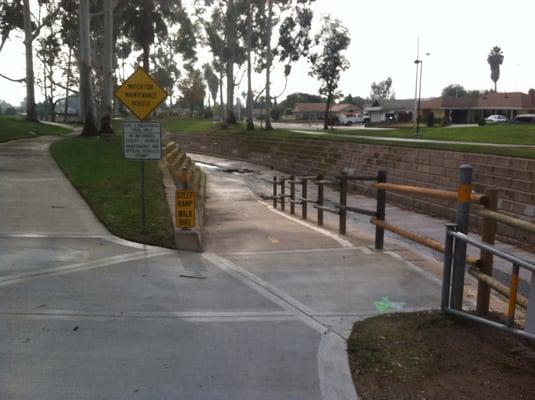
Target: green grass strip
12,128
111,185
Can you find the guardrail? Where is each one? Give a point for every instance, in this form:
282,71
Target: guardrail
340,208
452,299
480,267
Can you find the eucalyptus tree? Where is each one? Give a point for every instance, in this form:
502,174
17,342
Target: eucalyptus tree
214,26
328,60
48,53
17,15
382,90
192,89
495,59
212,81
145,21
123,49
294,18
106,106
165,68
87,108
224,24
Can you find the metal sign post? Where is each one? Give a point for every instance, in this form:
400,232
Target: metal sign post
142,140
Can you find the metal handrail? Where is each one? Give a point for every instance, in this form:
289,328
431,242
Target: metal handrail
492,249
452,298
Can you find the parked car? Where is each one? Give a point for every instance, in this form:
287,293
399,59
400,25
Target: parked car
350,119
524,119
496,119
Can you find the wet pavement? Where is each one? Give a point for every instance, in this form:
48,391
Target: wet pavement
262,314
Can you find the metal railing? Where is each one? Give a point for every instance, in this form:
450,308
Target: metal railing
452,300
480,267
340,207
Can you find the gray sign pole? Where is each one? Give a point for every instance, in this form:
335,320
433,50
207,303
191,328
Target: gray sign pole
142,141
143,196
463,217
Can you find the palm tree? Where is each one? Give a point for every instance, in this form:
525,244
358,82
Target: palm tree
495,59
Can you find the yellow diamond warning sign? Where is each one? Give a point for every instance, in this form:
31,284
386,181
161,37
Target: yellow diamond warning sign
141,94
185,208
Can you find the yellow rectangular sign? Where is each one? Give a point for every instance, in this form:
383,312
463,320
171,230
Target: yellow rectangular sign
185,209
141,94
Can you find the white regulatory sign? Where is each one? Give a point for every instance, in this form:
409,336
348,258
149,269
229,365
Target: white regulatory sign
142,140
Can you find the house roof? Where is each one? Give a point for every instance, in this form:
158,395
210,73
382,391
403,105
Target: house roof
497,101
391,105
344,107
309,107
320,107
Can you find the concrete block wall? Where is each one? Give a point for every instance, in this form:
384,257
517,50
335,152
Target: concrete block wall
175,160
513,177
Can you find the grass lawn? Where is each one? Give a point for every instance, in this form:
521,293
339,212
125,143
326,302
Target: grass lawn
502,134
427,355
13,127
111,185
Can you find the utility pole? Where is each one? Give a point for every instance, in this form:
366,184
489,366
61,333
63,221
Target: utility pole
414,117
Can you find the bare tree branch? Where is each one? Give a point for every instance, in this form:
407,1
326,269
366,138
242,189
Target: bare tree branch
283,90
4,40
259,94
45,22
241,78
13,80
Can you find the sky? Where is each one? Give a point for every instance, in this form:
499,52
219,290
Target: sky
457,34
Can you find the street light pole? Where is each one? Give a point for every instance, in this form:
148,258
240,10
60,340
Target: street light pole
419,64
416,86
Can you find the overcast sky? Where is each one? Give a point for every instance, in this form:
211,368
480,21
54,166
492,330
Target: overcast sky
458,34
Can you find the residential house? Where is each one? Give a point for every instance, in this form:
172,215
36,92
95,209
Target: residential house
470,109
309,111
316,111
390,110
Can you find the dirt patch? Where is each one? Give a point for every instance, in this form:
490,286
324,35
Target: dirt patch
432,356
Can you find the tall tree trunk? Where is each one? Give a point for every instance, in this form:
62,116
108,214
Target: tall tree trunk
269,62
86,88
106,109
52,107
250,122
69,62
31,109
230,42
221,109
148,33
327,107
45,88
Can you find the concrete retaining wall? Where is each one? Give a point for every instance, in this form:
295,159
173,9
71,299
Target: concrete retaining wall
176,160
513,177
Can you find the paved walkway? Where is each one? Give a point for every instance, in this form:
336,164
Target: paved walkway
258,180
262,314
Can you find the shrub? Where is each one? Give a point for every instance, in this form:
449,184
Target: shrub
208,113
482,122
10,111
430,120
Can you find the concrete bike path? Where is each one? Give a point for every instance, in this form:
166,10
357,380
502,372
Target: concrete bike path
263,314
